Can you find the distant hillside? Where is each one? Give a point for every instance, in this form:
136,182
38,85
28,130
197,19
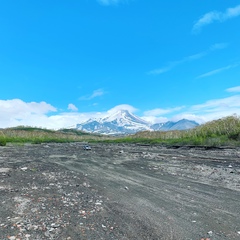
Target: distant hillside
183,124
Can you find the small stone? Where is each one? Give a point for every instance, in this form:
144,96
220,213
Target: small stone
47,234
12,238
55,225
24,168
210,233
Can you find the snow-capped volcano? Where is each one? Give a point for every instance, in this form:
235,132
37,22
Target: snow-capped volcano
124,122
120,122
124,118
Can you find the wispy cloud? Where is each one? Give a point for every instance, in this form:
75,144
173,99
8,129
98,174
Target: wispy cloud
233,89
218,46
216,16
160,111
218,105
216,71
72,107
96,93
158,115
211,110
111,2
122,106
169,66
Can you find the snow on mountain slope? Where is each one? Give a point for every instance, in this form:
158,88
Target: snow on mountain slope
124,122
124,117
120,122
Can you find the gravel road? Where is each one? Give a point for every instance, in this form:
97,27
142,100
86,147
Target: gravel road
117,191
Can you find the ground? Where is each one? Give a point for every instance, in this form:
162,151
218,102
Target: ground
117,191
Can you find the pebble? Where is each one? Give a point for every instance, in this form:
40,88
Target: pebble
24,168
210,233
12,238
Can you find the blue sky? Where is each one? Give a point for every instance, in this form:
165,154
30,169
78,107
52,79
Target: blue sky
62,62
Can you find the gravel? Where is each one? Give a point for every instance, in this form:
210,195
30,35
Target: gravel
117,191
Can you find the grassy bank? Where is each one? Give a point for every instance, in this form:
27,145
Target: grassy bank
222,132
20,135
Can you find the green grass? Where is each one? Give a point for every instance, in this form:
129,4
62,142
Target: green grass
3,141
20,135
225,131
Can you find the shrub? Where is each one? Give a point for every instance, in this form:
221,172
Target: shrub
3,141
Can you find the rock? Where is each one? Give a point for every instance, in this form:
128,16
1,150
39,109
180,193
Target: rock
5,170
55,225
24,168
12,238
210,233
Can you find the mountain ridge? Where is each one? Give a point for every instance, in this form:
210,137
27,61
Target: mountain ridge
124,122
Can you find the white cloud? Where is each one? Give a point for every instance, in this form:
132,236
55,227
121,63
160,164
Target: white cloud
216,108
95,93
171,65
153,119
72,107
233,89
208,111
122,107
159,111
111,2
189,116
17,107
216,71
218,104
16,112
216,16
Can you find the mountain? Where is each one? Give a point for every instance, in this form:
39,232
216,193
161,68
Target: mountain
120,122
180,125
124,122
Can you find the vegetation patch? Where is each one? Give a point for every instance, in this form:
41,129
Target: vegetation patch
225,131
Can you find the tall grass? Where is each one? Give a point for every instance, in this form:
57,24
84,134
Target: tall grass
225,131
37,135
2,139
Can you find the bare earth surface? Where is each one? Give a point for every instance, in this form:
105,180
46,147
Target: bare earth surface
60,191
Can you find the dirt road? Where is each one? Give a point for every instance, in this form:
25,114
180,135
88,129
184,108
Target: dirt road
60,191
